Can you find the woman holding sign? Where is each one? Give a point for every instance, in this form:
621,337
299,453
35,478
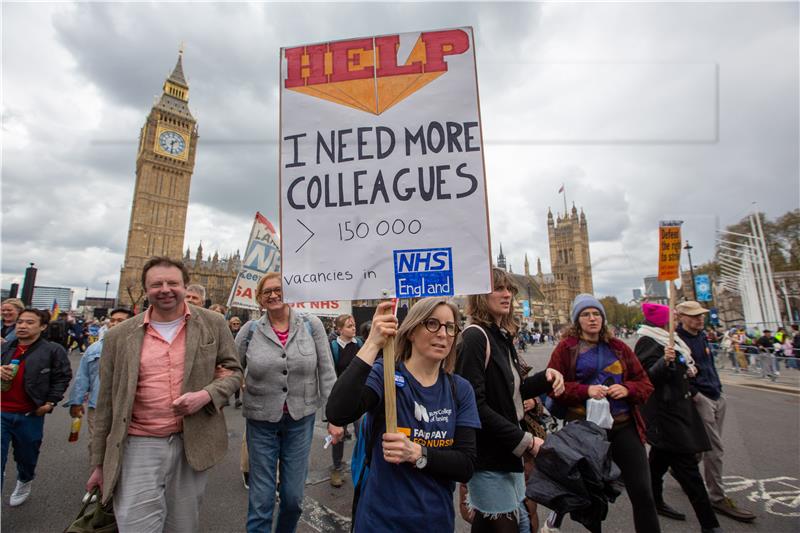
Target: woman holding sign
289,375
597,365
488,360
411,472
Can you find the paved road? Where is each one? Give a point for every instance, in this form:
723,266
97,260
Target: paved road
762,463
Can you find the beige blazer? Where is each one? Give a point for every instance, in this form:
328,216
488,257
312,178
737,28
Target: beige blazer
205,439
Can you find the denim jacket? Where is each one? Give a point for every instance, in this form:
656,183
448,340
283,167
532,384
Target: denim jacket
87,379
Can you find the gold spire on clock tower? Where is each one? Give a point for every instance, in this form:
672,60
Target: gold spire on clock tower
164,166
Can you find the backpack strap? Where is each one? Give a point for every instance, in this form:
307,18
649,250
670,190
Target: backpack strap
251,328
488,347
335,351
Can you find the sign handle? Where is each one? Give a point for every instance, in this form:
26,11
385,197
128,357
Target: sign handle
672,313
389,390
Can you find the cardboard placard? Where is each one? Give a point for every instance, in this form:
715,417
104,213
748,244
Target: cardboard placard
669,250
382,178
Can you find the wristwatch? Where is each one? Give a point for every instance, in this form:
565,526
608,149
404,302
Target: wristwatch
422,462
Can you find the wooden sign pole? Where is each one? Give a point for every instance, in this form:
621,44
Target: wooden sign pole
672,313
389,391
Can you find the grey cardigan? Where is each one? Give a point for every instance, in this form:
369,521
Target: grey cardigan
300,374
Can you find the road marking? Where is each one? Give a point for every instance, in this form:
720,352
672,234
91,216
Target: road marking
323,519
780,495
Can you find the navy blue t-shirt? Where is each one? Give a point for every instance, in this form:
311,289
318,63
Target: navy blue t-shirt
400,497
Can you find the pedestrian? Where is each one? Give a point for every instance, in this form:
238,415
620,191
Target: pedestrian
218,308
35,374
165,374
196,295
597,365
344,349
289,376
9,311
411,472
711,406
675,430
488,361
87,378
766,347
235,324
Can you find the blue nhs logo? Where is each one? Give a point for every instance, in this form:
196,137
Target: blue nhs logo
423,272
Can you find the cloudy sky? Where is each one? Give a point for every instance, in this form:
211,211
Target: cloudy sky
645,111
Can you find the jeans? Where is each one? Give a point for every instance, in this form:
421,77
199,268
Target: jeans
25,433
288,443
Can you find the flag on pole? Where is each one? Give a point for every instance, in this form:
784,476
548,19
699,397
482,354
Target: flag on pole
54,310
561,189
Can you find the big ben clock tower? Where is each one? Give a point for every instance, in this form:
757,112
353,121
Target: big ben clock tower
164,166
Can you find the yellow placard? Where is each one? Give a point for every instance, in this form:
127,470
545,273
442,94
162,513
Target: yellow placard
669,250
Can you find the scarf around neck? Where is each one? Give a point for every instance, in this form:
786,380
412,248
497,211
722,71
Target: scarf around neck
661,336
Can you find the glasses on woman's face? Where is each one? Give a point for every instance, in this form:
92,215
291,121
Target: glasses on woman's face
433,325
591,314
276,291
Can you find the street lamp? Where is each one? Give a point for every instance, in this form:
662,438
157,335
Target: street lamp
105,296
688,249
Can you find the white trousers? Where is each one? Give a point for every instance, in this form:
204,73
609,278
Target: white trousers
157,490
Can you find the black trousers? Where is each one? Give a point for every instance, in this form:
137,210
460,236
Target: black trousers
628,452
685,470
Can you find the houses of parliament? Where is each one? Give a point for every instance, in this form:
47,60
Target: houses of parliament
165,161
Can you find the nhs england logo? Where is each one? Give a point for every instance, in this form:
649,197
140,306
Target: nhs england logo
423,272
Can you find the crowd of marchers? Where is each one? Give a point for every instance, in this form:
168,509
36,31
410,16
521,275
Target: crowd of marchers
471,415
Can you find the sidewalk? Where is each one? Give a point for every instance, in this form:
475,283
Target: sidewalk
788,381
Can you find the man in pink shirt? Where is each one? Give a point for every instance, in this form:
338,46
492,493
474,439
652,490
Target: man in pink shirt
165,375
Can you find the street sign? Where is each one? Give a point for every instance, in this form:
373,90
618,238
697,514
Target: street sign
382,177
702,285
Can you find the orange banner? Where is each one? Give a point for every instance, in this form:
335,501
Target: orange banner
669,250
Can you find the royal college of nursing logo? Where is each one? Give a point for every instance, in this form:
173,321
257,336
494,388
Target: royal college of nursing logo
364,73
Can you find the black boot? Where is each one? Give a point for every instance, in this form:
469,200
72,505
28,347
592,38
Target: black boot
670,512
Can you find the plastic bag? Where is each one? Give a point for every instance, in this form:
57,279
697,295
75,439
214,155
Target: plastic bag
599,412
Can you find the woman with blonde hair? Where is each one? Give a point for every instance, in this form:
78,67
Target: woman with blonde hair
10,310
412,472
289,376
488,360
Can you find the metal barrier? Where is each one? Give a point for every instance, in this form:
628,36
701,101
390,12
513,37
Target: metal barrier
758,363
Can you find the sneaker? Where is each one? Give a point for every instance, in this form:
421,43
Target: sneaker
729,508
246,480
336,478
21,493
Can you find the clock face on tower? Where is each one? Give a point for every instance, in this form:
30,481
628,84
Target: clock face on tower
172,142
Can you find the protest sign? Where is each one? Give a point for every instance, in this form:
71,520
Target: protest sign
669,264
382,178
262,256
332,308
669,250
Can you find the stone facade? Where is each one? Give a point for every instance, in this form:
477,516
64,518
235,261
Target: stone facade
164,166
570,263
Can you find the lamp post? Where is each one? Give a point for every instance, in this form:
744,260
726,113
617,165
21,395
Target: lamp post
688,249
105,296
